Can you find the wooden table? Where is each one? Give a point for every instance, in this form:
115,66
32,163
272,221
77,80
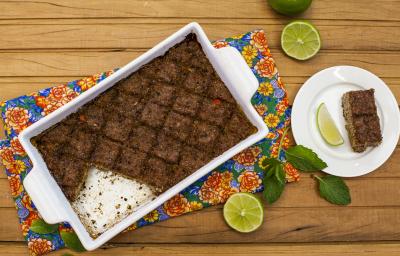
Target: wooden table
46,42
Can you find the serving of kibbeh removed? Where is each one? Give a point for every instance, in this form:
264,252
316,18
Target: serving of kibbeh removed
157,126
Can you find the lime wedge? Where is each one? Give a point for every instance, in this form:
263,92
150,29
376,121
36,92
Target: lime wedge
327,127
243,212
300,40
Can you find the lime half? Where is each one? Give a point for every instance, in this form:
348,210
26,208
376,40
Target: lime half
300,40
290,7
327,127
243,212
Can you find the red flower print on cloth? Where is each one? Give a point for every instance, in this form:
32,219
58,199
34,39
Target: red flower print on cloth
209,195
216,189
266,67
249,181
224,194
292,174
51,107
270,102
27,202
177,205
259,40
39,246
220,44
15,185
87,83
26,224
248,156
274,150
59,96
6,156
41,101
16,147
17,118
282,106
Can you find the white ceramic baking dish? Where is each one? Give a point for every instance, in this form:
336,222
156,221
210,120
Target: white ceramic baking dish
47,195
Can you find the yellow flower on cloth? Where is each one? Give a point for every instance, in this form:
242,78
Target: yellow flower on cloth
238,36
271,120
39,246
177,205
132,227
261,162
17,118
151,216
16,167
249,181
194,206
249,53
265,89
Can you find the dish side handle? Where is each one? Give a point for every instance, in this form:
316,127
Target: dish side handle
38,184
238,72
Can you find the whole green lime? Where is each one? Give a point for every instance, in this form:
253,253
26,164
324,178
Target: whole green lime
290,7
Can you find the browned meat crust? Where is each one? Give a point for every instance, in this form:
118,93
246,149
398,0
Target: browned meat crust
362,121
159,125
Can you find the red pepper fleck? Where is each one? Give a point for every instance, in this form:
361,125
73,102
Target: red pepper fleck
82,118
216,101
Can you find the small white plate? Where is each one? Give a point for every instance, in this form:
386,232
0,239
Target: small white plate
328,86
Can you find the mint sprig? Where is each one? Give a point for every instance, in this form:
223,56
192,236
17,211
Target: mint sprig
41,227
274,179
71,241
334,190
331,188
272,189
304,159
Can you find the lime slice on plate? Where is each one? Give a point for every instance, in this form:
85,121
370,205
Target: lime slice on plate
327,127
300,40
243,212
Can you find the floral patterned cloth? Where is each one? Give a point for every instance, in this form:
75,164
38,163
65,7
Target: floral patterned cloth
241,173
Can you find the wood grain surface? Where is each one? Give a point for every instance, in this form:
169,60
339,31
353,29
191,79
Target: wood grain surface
48,42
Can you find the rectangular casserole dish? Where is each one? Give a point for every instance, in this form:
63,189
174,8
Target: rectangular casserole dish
47,195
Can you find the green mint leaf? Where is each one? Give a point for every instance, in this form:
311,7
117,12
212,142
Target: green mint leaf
41,227
271,166
334,190
304,159
72,241
280,173
272,189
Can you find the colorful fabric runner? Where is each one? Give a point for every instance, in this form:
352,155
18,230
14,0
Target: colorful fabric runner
241,173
